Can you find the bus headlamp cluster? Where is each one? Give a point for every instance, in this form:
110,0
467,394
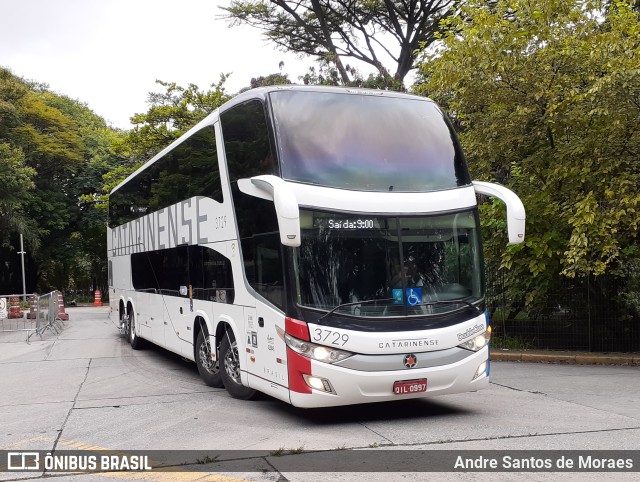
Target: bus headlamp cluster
478,342
316,352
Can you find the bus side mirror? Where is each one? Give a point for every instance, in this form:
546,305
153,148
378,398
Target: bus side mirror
276,189
515,209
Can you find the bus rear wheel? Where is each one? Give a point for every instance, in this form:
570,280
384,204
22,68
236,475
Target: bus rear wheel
124,324
208,368
230,368
134,340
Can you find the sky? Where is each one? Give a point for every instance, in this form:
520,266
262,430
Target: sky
109,53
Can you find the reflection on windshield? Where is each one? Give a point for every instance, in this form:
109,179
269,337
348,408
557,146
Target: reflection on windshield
406,263
366,143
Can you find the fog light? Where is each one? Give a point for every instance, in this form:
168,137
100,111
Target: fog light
481,369
318,383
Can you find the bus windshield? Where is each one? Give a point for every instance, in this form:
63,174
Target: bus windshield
418,265
366,142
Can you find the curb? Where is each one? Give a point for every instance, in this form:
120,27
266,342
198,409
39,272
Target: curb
623,359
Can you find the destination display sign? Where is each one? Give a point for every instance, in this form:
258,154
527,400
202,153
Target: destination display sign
355,223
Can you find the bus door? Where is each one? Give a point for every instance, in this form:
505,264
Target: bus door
261,336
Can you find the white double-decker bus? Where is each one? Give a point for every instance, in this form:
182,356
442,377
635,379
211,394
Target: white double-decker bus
320,245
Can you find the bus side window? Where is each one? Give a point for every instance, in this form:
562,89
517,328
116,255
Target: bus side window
248,142
192,166
217,278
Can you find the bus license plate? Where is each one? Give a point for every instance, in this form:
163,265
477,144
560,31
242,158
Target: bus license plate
408,387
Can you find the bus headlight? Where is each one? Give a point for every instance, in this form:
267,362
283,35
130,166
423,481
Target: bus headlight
478,342
315,352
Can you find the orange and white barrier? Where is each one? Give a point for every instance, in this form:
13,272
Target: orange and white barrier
62,315
14,307
33,307
97,298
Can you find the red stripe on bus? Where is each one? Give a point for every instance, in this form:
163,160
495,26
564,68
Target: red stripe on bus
296,366
297,328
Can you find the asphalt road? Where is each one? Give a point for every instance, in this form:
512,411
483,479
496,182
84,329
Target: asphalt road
87,389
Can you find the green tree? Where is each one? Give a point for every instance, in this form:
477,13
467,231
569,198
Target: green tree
264,81
331,31
171,113
547,96
327,74
67,150
16,180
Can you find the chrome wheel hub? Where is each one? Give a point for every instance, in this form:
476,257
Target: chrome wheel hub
205,358
231,364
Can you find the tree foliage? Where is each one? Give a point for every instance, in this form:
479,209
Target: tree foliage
53,153
171,113
370,31
16,181
547,96
267,80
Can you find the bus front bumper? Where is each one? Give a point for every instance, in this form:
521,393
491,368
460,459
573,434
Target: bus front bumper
352,386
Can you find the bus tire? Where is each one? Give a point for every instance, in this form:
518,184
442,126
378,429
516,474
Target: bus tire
124,323
134,340
230,368
208,369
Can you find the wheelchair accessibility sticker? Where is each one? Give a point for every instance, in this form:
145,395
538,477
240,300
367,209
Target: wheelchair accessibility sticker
413,296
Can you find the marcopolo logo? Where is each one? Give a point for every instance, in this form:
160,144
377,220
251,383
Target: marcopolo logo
471,331
410,360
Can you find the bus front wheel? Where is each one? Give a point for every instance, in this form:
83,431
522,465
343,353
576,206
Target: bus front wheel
208,368
230,368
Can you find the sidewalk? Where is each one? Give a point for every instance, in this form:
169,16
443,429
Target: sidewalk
569,357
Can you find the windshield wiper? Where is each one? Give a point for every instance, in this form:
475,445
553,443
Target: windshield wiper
455,300
355,303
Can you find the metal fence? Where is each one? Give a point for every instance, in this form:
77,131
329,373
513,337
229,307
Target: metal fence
589,314
47,311
42,317
12,321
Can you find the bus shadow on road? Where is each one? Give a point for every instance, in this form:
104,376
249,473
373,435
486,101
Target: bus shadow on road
414,409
